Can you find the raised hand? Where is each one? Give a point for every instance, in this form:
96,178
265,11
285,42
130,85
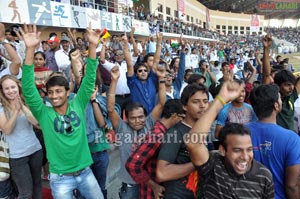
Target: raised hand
182,42
267,41
125,38
93,36
132,31
230,90
30,35
159,36
160,72
115,73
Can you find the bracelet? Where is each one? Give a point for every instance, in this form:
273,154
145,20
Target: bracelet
111,94
220,100
162,81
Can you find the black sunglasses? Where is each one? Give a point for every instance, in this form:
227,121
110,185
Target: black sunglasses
142,70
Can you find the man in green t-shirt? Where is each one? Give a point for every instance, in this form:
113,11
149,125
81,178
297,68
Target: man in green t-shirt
63,124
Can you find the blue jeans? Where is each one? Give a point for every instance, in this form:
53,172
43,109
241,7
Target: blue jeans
26,174
62,186
99,168
132,192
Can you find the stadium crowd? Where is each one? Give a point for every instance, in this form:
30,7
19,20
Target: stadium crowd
191,119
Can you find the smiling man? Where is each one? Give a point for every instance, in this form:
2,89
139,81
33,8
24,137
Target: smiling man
63,124
130,132
232,173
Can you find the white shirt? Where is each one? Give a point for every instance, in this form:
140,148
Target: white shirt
122,87
62,59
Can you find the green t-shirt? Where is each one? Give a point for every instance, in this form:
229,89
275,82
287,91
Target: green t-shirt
66,151
286,117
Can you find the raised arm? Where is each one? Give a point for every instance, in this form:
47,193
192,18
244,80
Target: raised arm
14,58
156,58
32,39
111,97
93,38
96,109
253,72
267,43
77,66
130,70
157,110
135,49
198,151
103,51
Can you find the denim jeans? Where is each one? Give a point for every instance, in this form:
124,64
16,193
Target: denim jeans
26,173
130,192
62,186
99,168
6,189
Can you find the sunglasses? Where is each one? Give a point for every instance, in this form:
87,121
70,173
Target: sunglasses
142,70
118,54
68,126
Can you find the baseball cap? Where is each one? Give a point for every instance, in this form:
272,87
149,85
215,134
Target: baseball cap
53,39
65,38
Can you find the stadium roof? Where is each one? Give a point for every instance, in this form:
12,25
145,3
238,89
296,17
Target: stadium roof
268,8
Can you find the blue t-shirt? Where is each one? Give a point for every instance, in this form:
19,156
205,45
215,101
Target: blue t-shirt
242,115
144,93
276,148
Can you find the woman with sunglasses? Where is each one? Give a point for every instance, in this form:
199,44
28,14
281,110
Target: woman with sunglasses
26,155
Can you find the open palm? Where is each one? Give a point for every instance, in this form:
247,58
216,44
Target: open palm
30,35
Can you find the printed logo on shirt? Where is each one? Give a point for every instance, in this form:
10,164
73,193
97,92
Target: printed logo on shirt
66,123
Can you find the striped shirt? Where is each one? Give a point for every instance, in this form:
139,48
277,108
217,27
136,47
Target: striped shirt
221,182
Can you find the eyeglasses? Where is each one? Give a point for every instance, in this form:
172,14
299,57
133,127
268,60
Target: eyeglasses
142,70
67,122
118,54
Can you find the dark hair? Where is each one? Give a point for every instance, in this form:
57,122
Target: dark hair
216,63
41,53
52,34
233,129
263,98
64,33
284,76
77,38
172,106
186,72
147,56
138,65
190,90
224,64
194,78
57,80
134,105
173,62
201,62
